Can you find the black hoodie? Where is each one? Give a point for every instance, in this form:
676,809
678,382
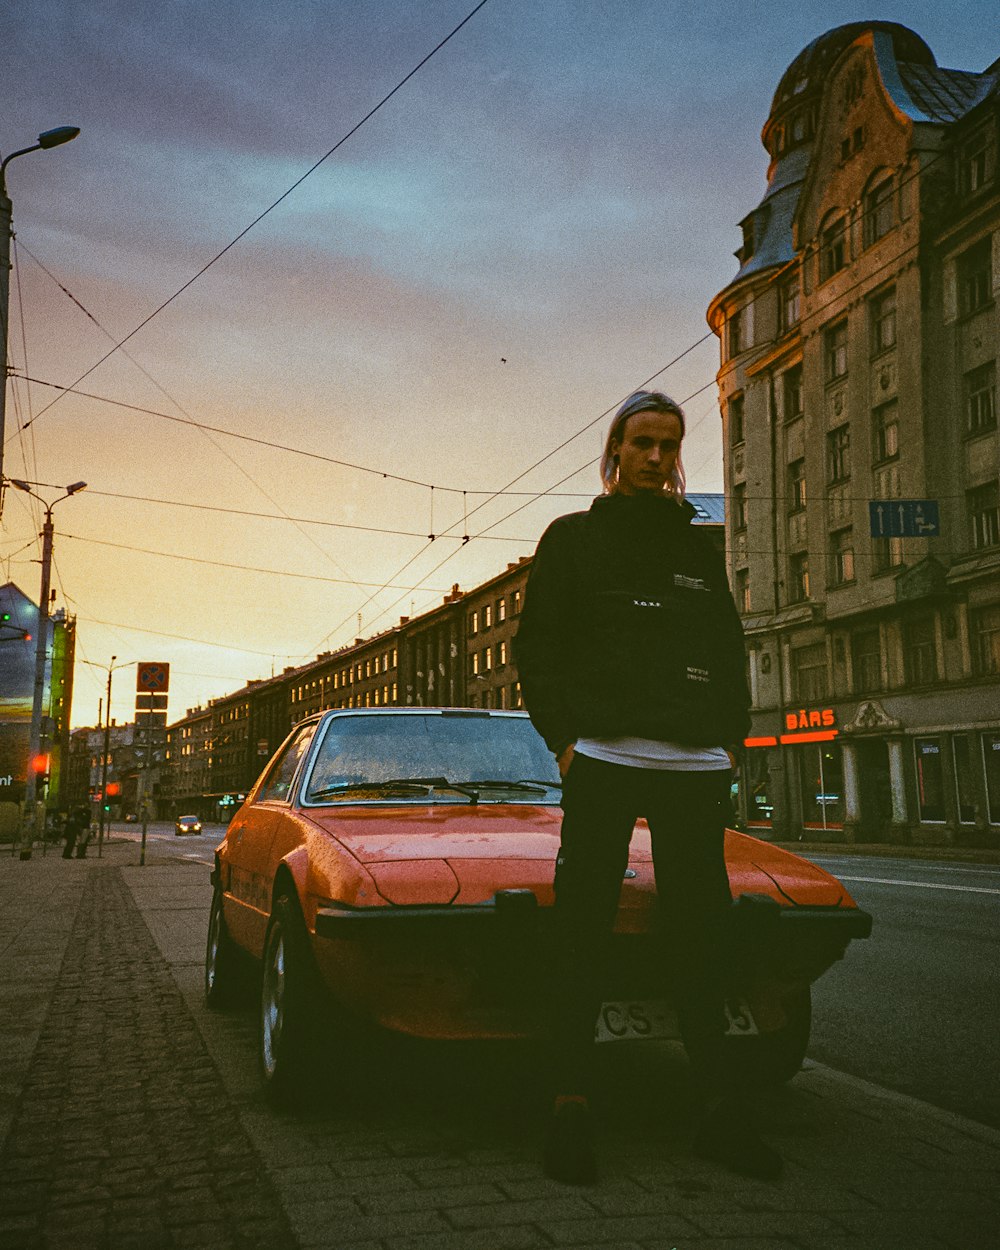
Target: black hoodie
629,628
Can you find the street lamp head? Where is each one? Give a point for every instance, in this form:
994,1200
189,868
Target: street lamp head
14,481
75,488
61,134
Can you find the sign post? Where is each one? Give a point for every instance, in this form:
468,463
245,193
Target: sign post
152,681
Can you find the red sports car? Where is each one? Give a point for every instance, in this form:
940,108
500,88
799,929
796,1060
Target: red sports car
397,864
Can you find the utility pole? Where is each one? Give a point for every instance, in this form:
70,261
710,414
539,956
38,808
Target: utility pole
104,762
41,647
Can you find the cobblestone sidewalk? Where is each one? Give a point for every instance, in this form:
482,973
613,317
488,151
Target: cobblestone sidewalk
123,1135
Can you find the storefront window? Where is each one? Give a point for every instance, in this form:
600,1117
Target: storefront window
963,780
760,804
821,780
930,778
991,762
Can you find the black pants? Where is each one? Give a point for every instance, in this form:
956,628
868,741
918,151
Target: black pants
686,813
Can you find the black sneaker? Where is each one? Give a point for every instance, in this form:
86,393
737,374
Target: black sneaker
726,1136
569,1152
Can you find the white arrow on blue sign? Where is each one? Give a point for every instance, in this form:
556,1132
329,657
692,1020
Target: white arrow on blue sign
904,518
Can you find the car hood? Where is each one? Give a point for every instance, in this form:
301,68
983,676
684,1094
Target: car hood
498,846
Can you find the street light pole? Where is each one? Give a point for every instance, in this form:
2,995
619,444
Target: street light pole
104,761
47,139
41,648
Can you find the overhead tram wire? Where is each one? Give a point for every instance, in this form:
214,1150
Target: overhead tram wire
284,195
242,568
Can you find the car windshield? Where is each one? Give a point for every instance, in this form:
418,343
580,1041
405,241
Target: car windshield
434,758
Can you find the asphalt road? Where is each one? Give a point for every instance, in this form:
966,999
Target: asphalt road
915,1008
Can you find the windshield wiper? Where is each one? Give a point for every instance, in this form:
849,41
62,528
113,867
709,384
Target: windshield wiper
536,787
423,784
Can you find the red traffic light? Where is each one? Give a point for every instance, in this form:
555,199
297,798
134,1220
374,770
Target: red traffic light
40,764
112,790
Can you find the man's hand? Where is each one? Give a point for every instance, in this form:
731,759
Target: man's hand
565,759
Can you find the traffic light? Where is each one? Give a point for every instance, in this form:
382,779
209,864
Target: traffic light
40,767
111,791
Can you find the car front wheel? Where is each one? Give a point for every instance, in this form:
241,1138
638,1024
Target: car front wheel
290,996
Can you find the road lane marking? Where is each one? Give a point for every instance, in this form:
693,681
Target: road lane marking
921,885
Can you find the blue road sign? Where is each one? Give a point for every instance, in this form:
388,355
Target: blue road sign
904,518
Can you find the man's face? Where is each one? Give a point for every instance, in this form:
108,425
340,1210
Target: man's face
647,452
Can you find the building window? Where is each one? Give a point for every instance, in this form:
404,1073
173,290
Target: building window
975,277
736,430
842,551
501,610
743,590
866,660
984,637
788,296
394,658
930,778
977,163
791,385
887,553
475,663
797,485
838,454
735,331
832,249
991,765
879,212
798,577
984,515
368,668
515,694
835,351
981,399
885,432
517,603
882,311
473,622
965,790
502,655
739,506
488,659
488,616
919,651
809,672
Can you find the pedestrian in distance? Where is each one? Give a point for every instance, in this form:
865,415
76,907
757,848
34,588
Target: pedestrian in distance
77,819
631,659
77,830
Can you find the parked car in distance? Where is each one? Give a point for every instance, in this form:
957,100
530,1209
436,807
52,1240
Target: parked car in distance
394,866
131,817
187,824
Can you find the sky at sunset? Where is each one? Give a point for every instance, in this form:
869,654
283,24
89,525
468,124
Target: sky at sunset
527,231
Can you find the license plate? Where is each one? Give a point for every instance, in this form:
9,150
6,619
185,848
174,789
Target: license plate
652,1019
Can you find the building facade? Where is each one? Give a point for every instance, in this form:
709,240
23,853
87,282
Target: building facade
859,342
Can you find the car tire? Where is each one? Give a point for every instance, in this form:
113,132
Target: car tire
774,1058
222,959
290,1006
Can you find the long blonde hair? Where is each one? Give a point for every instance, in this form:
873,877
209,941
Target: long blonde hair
642,401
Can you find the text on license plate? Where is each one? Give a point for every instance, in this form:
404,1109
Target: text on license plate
652,1019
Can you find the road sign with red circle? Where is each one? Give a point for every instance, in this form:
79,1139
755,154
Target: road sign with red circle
152,678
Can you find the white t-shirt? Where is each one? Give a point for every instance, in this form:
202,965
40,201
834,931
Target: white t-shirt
649,753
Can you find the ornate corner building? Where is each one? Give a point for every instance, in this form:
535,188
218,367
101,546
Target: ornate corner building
859,343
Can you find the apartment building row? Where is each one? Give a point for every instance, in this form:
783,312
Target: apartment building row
859,343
